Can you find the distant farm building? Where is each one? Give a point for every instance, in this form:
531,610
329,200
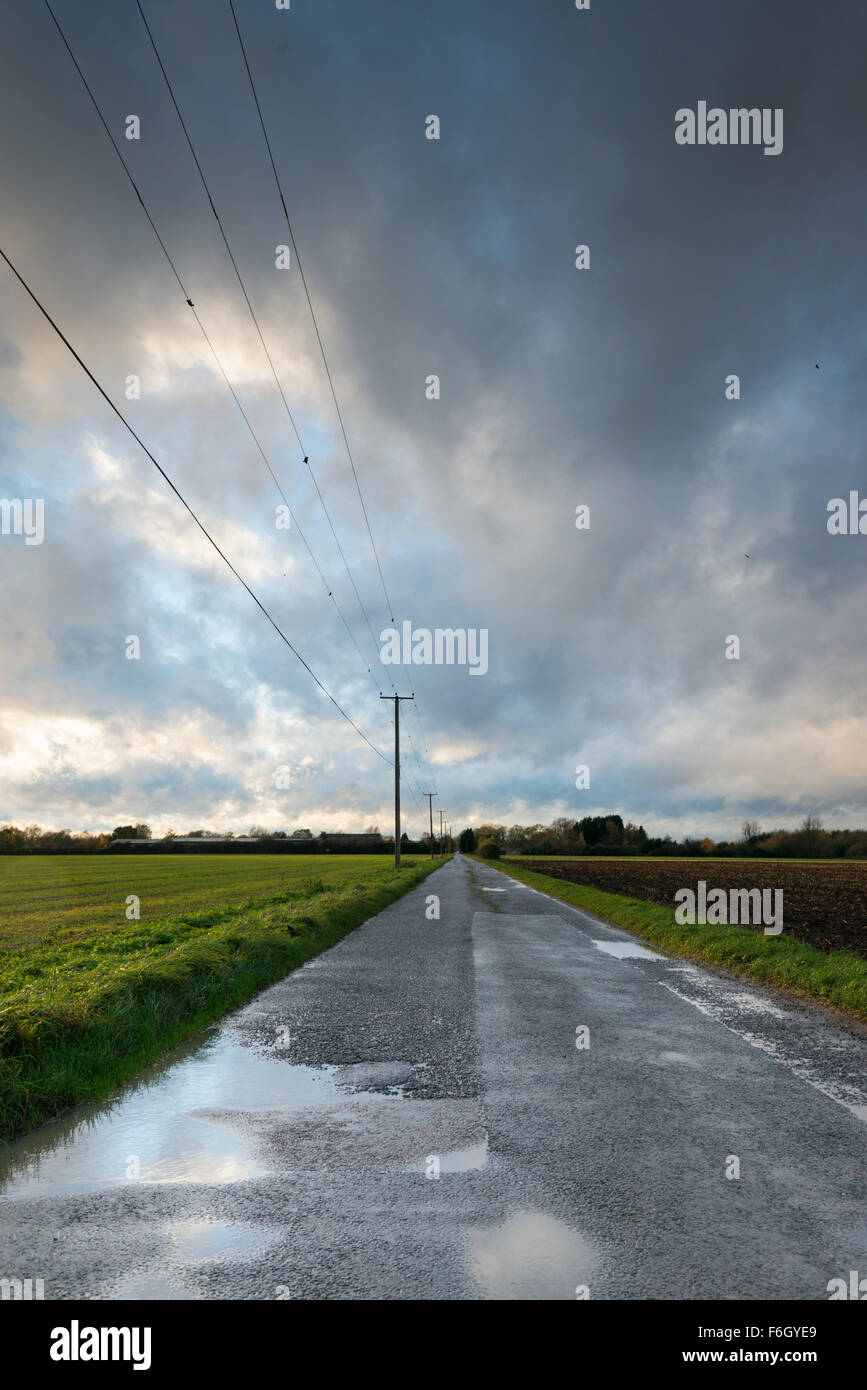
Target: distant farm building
238,844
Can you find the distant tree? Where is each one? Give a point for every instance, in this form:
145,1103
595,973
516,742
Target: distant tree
811,829
562,831
749,831
613,830
591,829
497,833
538,840
599,830
466,841
489,849
303,835
138,831
663,845
11,839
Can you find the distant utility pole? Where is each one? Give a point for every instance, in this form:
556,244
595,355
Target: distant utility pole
397,699
441,832
430,796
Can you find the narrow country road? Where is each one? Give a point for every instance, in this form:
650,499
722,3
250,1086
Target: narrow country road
408,1116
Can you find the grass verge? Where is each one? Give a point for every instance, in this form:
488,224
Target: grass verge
78,1018
835,978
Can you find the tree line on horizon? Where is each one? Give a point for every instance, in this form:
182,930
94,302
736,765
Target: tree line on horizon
32,839
609,835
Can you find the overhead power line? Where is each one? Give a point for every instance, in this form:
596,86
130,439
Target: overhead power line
312,311
207,338
318,335
189,301
205,532
274,373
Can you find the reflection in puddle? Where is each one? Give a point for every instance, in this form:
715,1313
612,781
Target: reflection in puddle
194,1242
214,1240
627,950
148,1134
154,1286
466,1160
362,1133
531,1256
217,1112
680,1058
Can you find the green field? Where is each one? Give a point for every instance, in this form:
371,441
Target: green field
88,997
63,897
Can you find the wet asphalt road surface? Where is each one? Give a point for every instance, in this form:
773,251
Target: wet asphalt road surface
408,1116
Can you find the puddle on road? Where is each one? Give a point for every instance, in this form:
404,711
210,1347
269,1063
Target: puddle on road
215,1111
678,1058
530,1256
148,1133
151,1285
213,1240
194,1242
466,1160
362,1133
627,950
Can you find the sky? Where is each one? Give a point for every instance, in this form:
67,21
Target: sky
601,387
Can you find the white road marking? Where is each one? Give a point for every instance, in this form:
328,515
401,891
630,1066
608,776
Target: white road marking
797,1066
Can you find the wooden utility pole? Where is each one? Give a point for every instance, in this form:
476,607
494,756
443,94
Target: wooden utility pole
397,699
441,832
430,796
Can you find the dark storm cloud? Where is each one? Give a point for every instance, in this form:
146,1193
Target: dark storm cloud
559,387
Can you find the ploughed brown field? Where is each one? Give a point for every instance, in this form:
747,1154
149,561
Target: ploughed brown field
824,904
